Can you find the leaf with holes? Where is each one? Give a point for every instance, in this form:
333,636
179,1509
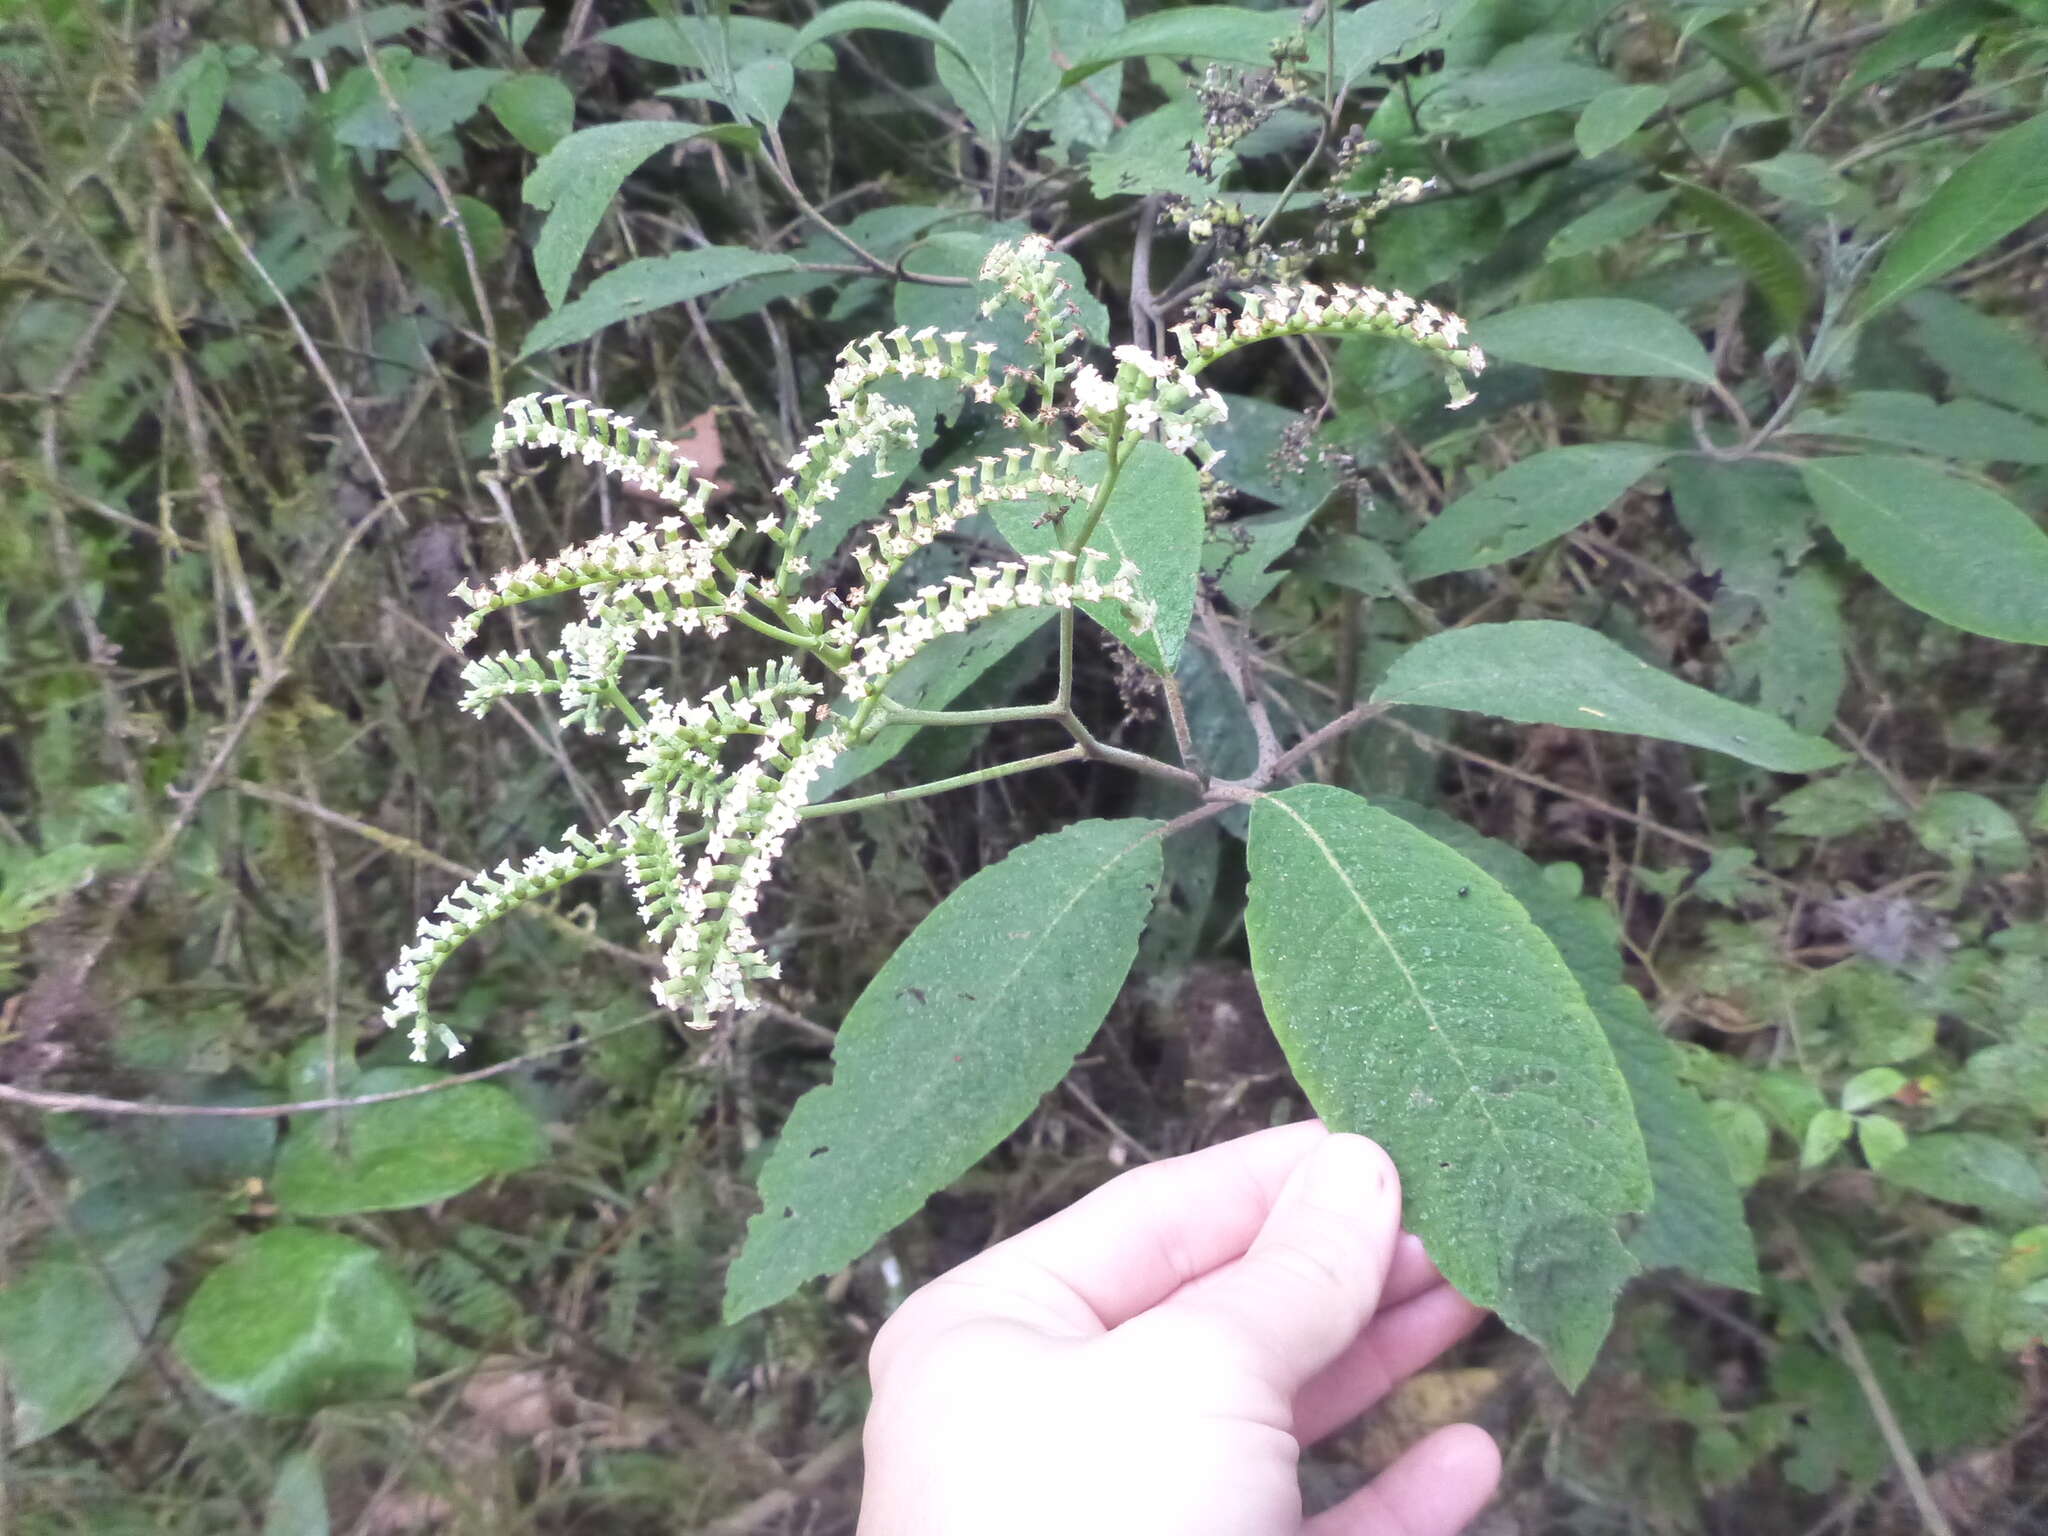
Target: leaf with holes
1541,672
975,1018
1419,1005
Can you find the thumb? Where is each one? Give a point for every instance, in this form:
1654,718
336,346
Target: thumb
1311,1279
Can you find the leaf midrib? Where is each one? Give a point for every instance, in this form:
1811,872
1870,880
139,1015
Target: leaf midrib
1429,1012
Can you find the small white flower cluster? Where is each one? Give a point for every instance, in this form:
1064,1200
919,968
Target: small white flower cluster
1036,581
641,459
712,952
472,905
676,748
925,515
1288,310
1153,392
860,426
905,354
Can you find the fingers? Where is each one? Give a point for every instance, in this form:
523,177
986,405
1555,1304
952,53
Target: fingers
1435,1489
1147,1233
1396,1344
1312,1276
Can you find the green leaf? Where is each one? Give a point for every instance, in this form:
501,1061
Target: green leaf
887,232
1986,198
576,181
1077,118
1608,222
960,253
1540,672
1826,1133
68,1332
1528,504
1870,1087
711,45
433,98
1419,1005
1938,29
1150,154
641,287
1153,519
1968,430
1946,546
375,24
297,1505
405,1153
297,1319
998,74
1980,355
205,92
1745,1140
1881,1139
1962,826
1359,565
1801,178
1384,31
874,16
1835,807
1695,1222
537,110
1222,34
1528,79
1773,266
978,1015
1613,115
1616,336
1971,1168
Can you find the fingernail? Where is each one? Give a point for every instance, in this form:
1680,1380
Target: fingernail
1345,1170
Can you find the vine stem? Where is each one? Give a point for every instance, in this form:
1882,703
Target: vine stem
1858,1364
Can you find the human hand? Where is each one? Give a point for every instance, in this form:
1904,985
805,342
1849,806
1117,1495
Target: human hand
1151,1361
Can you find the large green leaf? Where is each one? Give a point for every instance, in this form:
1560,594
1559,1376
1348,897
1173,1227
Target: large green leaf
1968,430
979,1014
1153,519
433,98
709,44
1614,115
1541,672
69,1329
1767,256
1617,336
1419,1005
1972,1168
1385,30
1528,504
1986,198
537,110
1981,356
1946,546
575,182
1696,1221
643,286
1223,34
390,1157
297,1319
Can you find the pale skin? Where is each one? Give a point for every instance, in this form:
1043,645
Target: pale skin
1153,1360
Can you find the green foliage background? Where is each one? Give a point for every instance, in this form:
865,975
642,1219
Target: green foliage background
1707,637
